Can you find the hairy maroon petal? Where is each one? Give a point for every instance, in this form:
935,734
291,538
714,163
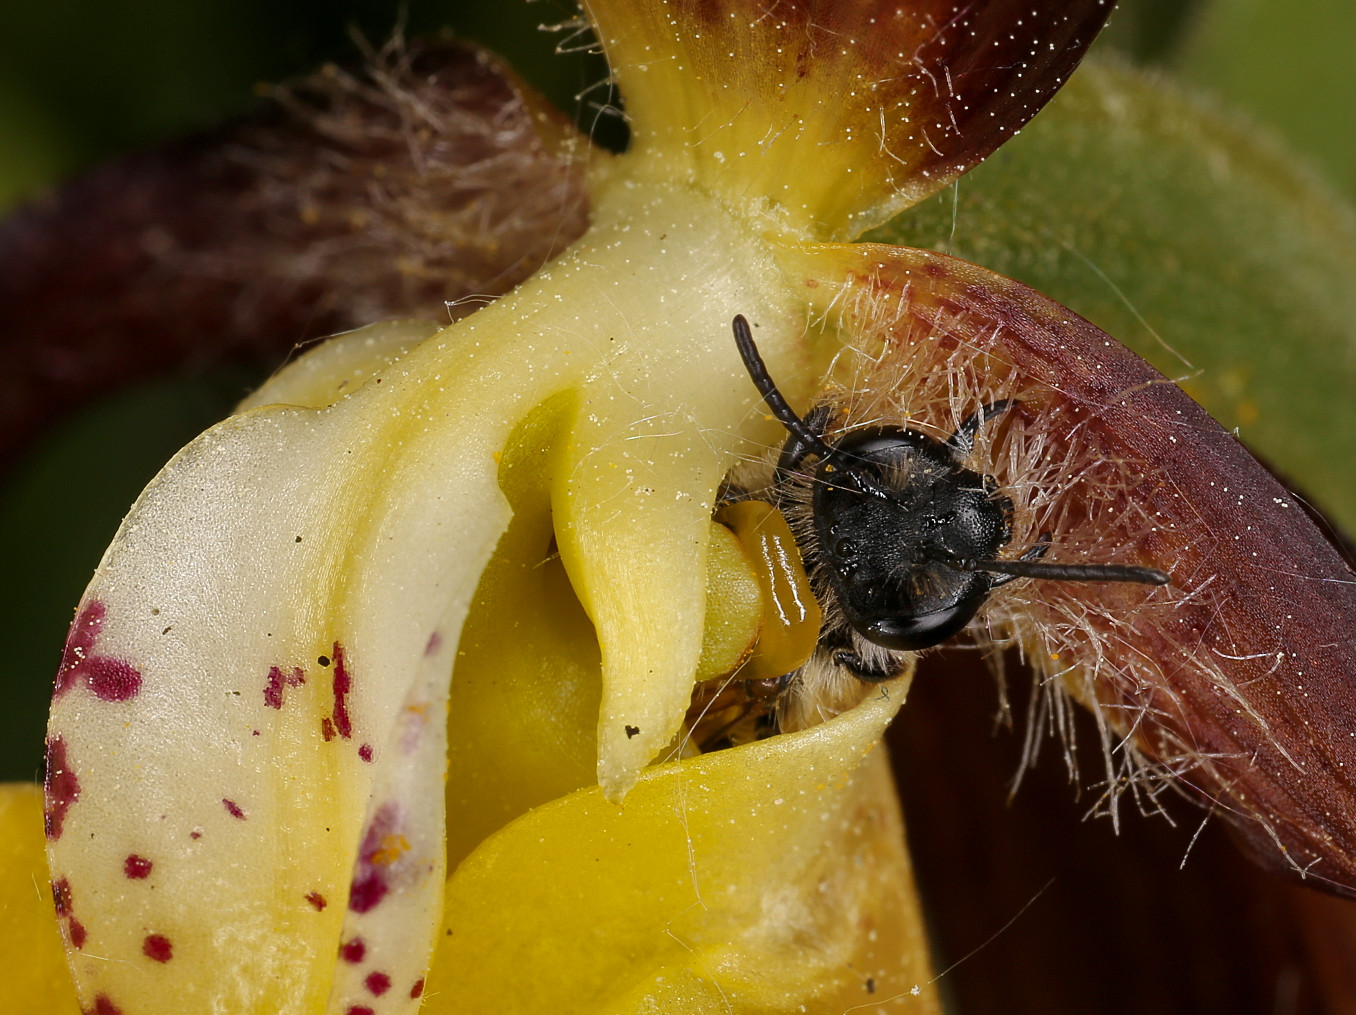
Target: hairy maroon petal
428,177
1238,679
848,111
1107,902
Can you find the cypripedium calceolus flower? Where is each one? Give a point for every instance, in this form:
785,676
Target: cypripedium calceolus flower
379,700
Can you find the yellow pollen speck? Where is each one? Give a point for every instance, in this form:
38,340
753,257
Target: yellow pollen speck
391,848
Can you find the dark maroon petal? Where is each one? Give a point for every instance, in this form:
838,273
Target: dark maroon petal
1087,896
1238,680
349,197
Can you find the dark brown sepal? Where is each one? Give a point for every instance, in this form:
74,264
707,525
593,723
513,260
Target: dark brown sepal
430,175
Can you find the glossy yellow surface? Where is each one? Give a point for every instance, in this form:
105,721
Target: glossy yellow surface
34,979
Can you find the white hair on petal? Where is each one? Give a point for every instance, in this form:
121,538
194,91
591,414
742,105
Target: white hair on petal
1110,647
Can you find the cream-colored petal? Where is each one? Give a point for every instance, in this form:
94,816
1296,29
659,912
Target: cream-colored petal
339,365
254,689
274,625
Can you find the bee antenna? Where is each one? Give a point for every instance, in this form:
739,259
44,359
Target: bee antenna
811,442
1068,572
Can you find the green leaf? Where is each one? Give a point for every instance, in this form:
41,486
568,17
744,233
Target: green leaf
1289,63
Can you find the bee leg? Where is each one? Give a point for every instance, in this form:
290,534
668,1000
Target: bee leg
962,442
861,669
759,706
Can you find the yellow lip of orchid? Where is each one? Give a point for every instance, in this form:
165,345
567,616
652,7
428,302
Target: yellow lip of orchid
246,754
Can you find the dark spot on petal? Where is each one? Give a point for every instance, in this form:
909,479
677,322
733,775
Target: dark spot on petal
631,731
359,1009
195,834
343,684
378,983
382,845
112,679
61,785
418,989
77,931
158,947
79,644
61,896
137,867
277,681
870,985
233,808
323,660
103,1006
317,900
365,752
353,951
367,891
327,728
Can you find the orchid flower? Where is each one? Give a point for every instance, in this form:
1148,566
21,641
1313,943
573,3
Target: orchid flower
380,699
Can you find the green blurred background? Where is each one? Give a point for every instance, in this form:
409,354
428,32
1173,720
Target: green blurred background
84,80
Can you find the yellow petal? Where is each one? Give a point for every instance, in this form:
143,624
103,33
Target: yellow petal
833,115
757,879
34,979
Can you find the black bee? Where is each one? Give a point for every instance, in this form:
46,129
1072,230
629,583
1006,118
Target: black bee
902,541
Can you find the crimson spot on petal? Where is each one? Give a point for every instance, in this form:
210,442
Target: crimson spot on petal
233,808
382,845
278,681
61,896
103,1006
418,989
367,891
78,933
317,900
158,947
343,684
137,867
112,679
365,752
378,983
62,787
353,951
79,644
